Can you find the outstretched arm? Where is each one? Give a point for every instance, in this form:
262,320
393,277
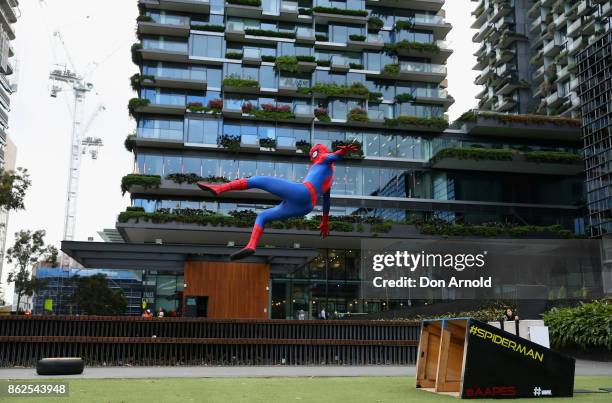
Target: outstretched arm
340,153
324,227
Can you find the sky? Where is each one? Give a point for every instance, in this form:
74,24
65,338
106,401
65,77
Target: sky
98,40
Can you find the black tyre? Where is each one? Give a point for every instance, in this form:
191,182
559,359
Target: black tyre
60,366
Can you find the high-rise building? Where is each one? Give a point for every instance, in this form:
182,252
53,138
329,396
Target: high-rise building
240,88
8,151
527,57
595,73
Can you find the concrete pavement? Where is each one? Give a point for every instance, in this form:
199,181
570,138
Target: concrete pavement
582,368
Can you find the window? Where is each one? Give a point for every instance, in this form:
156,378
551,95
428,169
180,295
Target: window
192,165
206,46
267,77
160,129
202,131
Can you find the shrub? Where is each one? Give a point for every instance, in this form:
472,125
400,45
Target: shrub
146,181
144,18
553,157
392,69
321,37
267,143
434,123
136,55
129,142
269,111
324,63
237,81
474,154
375,24
233,55
375,97
303,146
393,48
210,28
253,3
404,98
469,116
181,178
356,66
137,80
531,119
267,58
287,64
134,208
358,115
229,142
305,11
403,26
309,59
357,38
264,32
334,10
585,326
335,90
136,103
322,114
215,104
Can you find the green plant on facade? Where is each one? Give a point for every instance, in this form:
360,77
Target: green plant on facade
375,24
475,154
335,90
288,64
233,55
404,26
324,63
469,116
265,32
136,103
238,82
321,37
303,145
272,114
307,59
341,11
136,54
229,142
357,38
209,28
401,98
393,48
130,142
356,66
145,181
433,123
251,3
305,11
267,143
588,325
375,97
268,58
446,229
137,80
392,69
357,115
181,178
144,18
555,157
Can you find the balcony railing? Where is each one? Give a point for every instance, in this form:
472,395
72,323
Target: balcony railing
430,93
160,44
376,115
428,19
251,53
305,32
289,6
301,109
416,67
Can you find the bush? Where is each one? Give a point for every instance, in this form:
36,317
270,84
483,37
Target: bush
146,181
403,26
434,123
136,55
233,55
321,37
129,142
404,98
375,97
408,45
287,64
236,81
357,115
322,114
229,142
309,59
357,38
392,69
144,18
266,58
557,157
181,178
356,66
474,154
335,90
585,326
264,32
136,103
210,28
253,3
334,10
324,63
375,24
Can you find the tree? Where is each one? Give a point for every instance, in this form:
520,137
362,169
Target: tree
95,297
29,248
13,186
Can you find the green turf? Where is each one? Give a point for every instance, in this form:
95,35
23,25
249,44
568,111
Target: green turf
336,390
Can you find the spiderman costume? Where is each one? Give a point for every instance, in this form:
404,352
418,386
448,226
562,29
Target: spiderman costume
298,199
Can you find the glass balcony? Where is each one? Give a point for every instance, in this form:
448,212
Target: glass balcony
251,53
305,32
285,143
376,115
249,140
374,38
167,19
289,6
430,93
158,133
161,44
302,110
428,19
416,67
337,60
235,26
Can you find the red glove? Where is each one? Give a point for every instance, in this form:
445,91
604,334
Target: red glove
324,227
343,150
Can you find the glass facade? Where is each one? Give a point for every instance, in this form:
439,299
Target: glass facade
394,180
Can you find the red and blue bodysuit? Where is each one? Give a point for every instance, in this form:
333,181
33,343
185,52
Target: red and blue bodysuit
298,199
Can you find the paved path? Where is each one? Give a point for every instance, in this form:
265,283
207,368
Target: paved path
582,368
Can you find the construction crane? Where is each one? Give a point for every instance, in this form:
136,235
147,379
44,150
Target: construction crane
61,79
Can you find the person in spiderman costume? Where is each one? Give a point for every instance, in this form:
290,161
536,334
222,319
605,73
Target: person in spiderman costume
298,199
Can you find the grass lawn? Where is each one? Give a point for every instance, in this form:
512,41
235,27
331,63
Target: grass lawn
336,390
